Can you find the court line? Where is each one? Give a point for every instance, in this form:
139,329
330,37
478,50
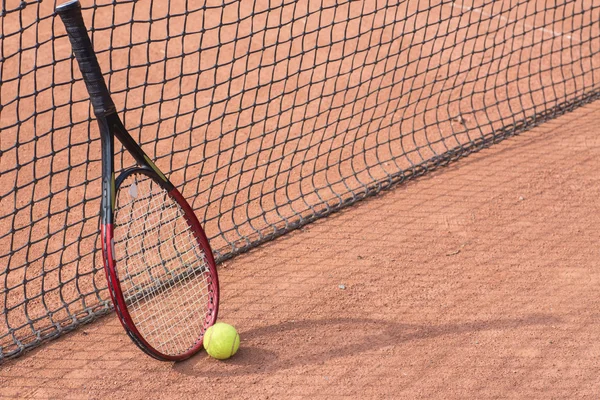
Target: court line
485,14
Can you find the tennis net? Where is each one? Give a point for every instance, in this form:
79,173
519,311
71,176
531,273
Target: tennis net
267,114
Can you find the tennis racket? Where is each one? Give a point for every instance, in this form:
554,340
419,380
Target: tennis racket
159,266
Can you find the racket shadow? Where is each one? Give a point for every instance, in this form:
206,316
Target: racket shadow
266,349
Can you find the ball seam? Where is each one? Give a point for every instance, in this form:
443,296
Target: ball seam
233,344
207,344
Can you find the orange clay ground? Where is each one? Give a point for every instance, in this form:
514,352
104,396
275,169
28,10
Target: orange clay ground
479,281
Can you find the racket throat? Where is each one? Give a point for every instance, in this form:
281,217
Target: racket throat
108,174
116,127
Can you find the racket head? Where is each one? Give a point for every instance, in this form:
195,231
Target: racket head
160,268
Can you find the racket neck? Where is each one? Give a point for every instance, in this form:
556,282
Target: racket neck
118,130
116,127
108,172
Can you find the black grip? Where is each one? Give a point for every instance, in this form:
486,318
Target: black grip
70,13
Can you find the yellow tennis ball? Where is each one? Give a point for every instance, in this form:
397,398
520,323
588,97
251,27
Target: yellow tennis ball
221,341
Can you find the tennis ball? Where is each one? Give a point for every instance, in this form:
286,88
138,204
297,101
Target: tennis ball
221,341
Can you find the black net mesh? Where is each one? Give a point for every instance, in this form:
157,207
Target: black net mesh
266,113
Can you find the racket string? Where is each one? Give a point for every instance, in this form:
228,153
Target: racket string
162,268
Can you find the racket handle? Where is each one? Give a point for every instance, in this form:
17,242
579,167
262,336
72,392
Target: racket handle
70,14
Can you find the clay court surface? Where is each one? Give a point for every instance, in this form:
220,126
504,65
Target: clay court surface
477,281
